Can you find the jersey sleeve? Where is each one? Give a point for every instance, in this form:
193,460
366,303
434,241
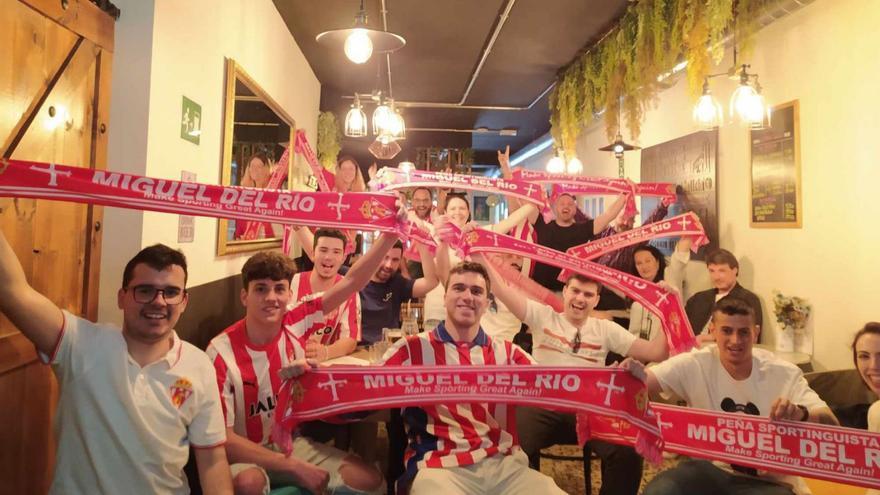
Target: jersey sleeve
224,386
350,318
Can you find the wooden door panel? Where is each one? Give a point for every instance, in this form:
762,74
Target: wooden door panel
58,58
38,48
61,129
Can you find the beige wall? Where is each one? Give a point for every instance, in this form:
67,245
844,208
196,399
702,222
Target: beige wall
167,49
826,56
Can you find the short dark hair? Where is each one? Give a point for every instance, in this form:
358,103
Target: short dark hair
722,257
733,306
158,257
334,233
872,327
661,261
423,188
397,245
470,267
584,280
267,264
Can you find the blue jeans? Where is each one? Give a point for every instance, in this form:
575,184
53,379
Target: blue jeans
698,476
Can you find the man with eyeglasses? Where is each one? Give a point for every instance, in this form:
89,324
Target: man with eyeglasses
134,401
573,338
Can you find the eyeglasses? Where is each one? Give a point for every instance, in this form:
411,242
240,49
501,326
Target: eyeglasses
145,294
576,342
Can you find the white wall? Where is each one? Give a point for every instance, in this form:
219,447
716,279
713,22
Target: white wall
167,49
825,56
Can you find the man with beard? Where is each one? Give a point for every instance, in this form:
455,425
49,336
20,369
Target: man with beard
247,357
383,296
422,209
341,330
133,401
563,233
574,338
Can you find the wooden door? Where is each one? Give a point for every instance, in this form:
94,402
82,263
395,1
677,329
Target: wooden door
55,60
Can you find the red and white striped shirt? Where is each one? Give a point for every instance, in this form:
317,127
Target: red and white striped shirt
462,434
247,374
344,321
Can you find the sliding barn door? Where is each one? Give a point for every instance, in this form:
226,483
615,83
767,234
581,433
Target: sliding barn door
55,60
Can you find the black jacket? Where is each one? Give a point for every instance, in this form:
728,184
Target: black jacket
699,306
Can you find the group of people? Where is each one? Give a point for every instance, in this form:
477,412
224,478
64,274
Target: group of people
134,401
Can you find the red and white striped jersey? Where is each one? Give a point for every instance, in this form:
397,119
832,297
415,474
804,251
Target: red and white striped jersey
344,321
463,434
247,374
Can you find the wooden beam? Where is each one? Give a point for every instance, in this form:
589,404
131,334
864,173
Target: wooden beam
81,16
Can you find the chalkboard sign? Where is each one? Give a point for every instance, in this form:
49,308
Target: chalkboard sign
776,171
690,163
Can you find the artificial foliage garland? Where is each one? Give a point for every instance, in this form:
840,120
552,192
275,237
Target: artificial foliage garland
624,67
329,137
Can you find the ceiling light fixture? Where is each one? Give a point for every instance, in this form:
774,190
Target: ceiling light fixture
360,42
556,165
574,166
619,146
356,120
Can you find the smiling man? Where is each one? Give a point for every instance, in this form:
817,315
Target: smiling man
133,401
342,326
574,338
563,233
248,356
723,270
465,448
388,289
730,377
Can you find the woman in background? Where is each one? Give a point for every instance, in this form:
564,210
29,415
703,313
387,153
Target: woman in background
866,356
256,174
650,264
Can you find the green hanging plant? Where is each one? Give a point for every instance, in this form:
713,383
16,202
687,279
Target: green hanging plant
329,138
651,38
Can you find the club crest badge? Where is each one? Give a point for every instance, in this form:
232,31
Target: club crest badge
181,391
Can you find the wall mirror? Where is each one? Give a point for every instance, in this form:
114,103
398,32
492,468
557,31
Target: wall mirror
256,133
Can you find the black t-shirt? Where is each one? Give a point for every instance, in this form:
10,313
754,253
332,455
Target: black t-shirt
380,305
559,238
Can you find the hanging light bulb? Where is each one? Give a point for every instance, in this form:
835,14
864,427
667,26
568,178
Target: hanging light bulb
358,47
407,166
707,112
758,113
397,127
356,120
744,103
574,166
556,165
381,118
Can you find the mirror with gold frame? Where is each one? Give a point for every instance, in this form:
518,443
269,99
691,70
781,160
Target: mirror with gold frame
256,132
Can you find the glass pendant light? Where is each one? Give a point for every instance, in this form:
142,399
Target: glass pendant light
707,112
356,120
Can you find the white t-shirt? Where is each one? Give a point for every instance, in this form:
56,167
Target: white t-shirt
435,306
500,323
553,338
123,428
700,379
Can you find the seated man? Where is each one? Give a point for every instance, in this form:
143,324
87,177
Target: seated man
341,331
464,448
133,400
730,377
387,290
573,338
247,357
723,270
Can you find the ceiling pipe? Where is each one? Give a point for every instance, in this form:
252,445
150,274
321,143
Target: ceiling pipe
500,132
502,19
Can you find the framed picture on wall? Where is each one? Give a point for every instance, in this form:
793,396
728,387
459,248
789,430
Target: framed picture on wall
775,193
